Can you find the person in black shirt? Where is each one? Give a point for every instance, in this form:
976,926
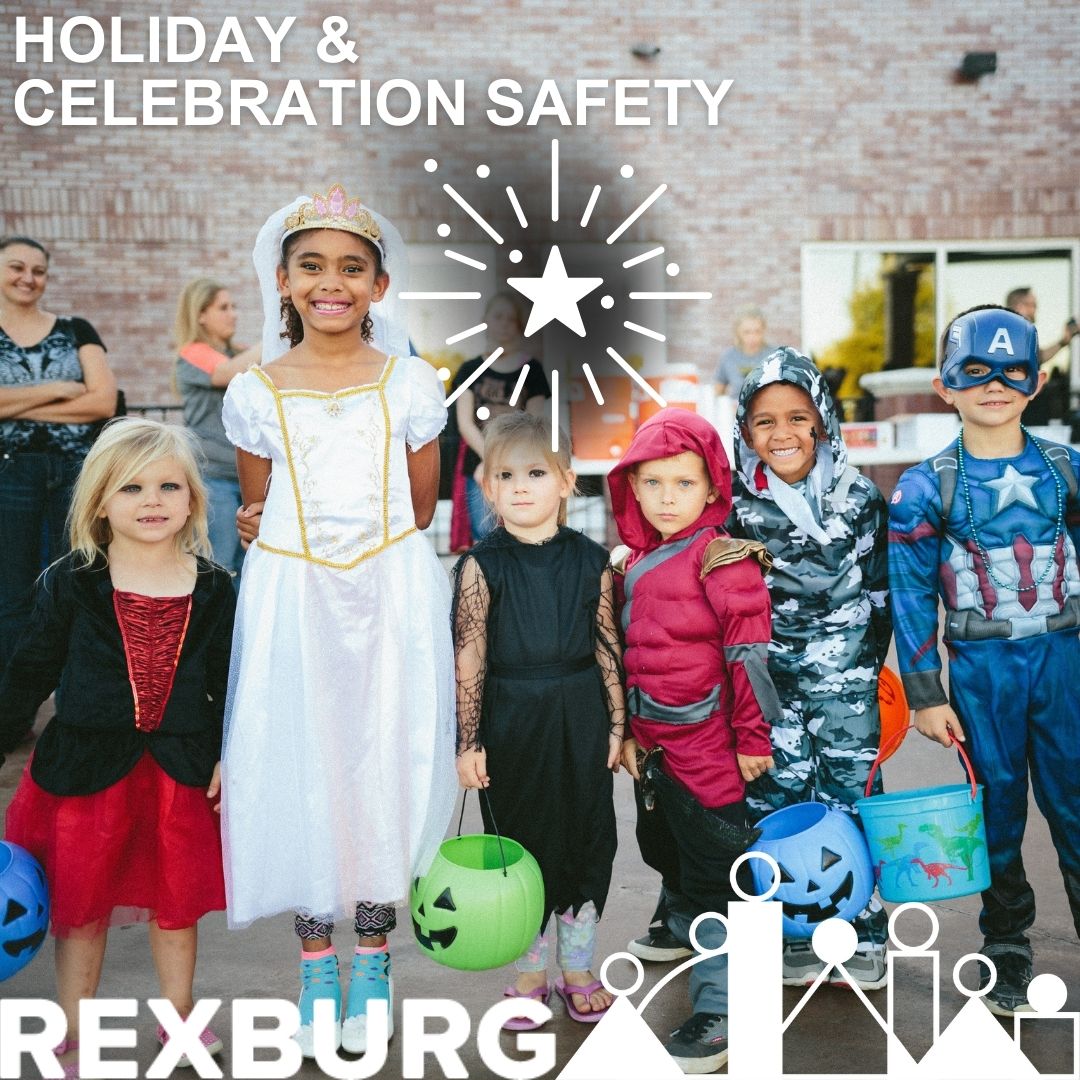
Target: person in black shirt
493,394
55,384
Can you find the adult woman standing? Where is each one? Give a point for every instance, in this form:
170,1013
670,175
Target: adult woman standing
55,384
489,396
207,362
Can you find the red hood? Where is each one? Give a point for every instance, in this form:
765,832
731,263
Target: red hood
668,433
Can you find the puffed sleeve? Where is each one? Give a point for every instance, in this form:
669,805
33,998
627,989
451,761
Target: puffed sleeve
247,412
427,407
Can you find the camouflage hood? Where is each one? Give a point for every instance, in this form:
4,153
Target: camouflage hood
790,366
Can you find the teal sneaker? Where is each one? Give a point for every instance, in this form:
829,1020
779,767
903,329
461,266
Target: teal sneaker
318,980
370,981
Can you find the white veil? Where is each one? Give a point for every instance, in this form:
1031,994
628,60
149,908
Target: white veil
391,333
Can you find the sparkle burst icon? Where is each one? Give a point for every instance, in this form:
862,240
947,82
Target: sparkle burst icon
555,295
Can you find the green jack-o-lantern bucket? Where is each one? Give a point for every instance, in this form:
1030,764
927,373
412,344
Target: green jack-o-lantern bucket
480,904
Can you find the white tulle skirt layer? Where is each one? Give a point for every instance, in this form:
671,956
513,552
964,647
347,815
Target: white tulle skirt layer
338,764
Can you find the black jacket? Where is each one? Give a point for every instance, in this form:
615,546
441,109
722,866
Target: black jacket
73,646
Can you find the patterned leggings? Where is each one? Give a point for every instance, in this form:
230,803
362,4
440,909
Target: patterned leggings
576,939
371,921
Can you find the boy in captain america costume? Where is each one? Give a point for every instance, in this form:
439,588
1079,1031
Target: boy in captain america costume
992,526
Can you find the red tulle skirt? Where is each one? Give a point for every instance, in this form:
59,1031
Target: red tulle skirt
146,848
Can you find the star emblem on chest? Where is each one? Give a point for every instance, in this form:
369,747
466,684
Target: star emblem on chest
1014,487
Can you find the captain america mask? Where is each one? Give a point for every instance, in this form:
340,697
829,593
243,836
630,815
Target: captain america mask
997,344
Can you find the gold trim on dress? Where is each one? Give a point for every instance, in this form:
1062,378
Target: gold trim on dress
339,565
379,388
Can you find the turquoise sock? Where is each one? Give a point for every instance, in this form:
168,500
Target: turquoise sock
318,979
370,980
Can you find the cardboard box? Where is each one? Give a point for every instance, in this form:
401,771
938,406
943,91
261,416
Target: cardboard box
926,433
869,435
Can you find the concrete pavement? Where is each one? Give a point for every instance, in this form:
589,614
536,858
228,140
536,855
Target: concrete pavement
833,1034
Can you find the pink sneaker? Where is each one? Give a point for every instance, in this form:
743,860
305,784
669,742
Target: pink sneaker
208,1038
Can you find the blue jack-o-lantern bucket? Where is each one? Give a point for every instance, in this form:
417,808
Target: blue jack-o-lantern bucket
930,843
825,870
24,908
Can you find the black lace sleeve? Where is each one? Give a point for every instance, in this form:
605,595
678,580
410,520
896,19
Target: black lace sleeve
609,655
470,615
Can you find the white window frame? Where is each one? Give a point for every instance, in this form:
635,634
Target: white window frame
941,249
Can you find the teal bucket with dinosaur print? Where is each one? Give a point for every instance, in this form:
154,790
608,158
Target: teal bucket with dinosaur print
927,844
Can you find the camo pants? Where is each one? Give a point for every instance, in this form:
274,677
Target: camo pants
823,748
824,744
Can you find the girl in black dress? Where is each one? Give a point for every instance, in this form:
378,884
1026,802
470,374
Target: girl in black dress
540,701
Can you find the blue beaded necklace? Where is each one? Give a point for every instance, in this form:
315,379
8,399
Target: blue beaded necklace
1059,484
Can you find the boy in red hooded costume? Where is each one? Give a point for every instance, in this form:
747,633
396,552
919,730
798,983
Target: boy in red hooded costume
695,615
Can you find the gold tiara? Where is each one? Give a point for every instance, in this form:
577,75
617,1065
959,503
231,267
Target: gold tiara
335,210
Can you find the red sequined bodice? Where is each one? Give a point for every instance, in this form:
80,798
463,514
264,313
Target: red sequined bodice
153,629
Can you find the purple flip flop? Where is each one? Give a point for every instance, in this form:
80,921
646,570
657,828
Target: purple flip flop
523,1023
567,992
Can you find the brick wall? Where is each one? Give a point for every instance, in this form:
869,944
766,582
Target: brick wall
845,122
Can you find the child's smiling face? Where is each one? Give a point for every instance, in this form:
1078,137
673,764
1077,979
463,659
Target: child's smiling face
782,426
673,491
330,277
993,404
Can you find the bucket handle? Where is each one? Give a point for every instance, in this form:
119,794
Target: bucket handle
895,740
491,815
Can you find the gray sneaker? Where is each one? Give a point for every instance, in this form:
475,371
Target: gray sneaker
700,1045
868,969
801,963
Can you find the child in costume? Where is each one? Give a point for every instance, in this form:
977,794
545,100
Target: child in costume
992,527
132,630
695,614
540,701
338,764
825,525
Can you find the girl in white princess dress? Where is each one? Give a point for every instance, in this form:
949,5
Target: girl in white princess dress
338,763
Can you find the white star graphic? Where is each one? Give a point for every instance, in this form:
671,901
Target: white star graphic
1014,487
555,296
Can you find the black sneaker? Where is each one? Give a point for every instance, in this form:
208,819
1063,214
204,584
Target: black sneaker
1009,994
700,1044
659,944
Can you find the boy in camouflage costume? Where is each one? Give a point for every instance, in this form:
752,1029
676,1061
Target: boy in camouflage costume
826,527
